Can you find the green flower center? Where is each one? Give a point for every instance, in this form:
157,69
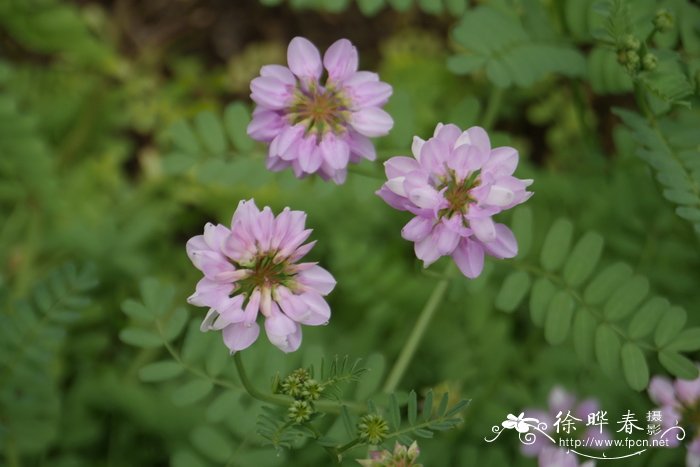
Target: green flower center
458,194
265,272
320,110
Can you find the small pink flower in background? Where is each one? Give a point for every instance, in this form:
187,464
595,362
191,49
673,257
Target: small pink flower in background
453,185
316,127
402,456
253,267
560,400
679,404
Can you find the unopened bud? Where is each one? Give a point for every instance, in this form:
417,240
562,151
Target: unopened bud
631,43
649,62
663,20
373,428
300,411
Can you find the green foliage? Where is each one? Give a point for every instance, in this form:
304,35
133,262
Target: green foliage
123,131
32,339
498,44
671,149
606,310
423,424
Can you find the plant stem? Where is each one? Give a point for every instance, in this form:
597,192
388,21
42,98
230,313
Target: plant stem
252,390
492,108
418,331
347,446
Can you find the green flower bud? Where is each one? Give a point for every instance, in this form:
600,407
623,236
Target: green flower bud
373,428
300,411
649,62
632,61
293,385
631,43
312,390
663,20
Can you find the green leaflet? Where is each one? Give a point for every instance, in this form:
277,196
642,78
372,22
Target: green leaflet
671,149
498,44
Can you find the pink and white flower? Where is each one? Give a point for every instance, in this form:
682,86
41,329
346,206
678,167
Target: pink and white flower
453,185
253,268
316,125
679,404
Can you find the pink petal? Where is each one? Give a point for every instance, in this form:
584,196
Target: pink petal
317,312
252,308
425,197
427,250
240,336
483,228
688,392
475,136
335,151
392,199
282,332
661,391
469,256
340,60
445,238
371,121
310,157
270,93
417,229
304,59
361,145
504,245
372,94
280,73
318,279
399,166
447,133
417,147
434,154
502,161
265,125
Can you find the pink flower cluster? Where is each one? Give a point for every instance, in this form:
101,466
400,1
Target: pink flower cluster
679,404
253,268
453,185
562,402
314,126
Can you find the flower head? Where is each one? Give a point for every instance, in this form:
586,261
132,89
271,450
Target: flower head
314,125
453,185
253,268
401,457
679,404
561,403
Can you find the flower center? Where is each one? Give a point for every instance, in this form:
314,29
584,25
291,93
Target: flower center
458,193
320,110
264,273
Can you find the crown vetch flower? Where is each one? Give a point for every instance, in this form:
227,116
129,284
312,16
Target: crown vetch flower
314,126
253,267
679,403
454,183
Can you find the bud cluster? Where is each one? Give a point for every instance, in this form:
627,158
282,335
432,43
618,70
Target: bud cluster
634,54
305,390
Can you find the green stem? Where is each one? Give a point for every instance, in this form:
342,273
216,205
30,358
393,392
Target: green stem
347,446
492,108
252,390
642,102
418,331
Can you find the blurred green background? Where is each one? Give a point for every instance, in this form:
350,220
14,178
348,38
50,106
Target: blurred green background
122,132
